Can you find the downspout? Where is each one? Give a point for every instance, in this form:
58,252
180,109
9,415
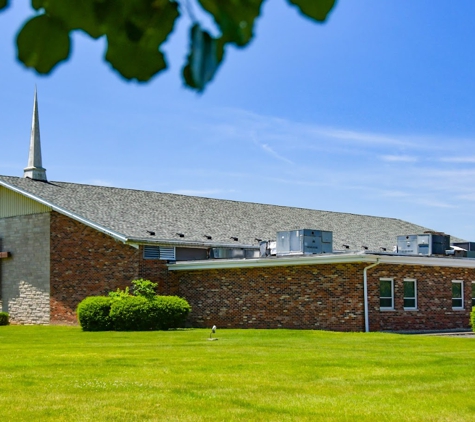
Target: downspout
365,288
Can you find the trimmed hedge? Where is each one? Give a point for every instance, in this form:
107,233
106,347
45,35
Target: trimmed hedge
132,313
93,313
472,319
4,318
172,311
136,313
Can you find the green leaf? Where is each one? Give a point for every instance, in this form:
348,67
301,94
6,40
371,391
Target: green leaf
42,43
3,4
133,61
206,54
75,14
314,9
135,31
235,18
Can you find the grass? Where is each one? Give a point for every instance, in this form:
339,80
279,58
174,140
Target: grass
64,374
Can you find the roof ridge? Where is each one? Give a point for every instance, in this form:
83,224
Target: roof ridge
225,200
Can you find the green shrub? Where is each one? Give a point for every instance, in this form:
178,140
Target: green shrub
4,318
132,313
119,294
93,313
137,313
144,288
472,319
172,311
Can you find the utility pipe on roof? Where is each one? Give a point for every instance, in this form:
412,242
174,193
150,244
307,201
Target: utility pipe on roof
365,289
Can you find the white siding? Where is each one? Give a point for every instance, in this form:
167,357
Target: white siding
13,204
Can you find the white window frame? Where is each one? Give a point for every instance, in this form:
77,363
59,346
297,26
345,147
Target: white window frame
410,308
458,308
387,308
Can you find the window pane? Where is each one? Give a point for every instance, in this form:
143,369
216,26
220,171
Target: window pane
409,289
385,303
385,289
457,290
409,303
456,303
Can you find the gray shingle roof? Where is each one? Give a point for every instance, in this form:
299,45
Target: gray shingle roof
133,212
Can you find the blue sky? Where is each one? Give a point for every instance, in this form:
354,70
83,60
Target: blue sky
370,113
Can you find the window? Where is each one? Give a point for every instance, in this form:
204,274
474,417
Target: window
473,294
457,294
410,294
386,293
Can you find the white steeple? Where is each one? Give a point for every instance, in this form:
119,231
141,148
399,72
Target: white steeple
35,168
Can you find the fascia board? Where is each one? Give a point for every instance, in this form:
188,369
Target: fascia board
174,242
270,262
429,261
320,260
98,227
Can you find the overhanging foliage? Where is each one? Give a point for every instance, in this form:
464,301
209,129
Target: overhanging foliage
137,29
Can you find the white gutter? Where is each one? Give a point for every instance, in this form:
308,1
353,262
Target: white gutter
365,289
202,245
270,262
116,235
427,261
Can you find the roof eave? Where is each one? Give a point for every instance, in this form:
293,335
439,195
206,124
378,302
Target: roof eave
190,243
85,221
323,259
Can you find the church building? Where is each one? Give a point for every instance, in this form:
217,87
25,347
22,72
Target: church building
238,264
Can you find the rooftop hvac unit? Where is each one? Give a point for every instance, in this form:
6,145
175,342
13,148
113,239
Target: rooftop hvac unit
304,241
423,244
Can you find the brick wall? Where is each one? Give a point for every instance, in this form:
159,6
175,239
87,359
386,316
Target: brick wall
157,271
434,297
85,262
25,275
325,297
328,297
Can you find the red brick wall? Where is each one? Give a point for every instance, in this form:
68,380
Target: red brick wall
434,294
325,297
157,271
85,262
328,297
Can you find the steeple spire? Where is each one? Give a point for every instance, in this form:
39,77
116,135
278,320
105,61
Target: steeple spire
35,168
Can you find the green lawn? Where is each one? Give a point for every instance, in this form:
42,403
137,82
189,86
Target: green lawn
64,374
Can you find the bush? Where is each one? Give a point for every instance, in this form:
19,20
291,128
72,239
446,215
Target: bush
136,313
144,288
119,294
131,314
93,313
4,318
172,311
472,319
